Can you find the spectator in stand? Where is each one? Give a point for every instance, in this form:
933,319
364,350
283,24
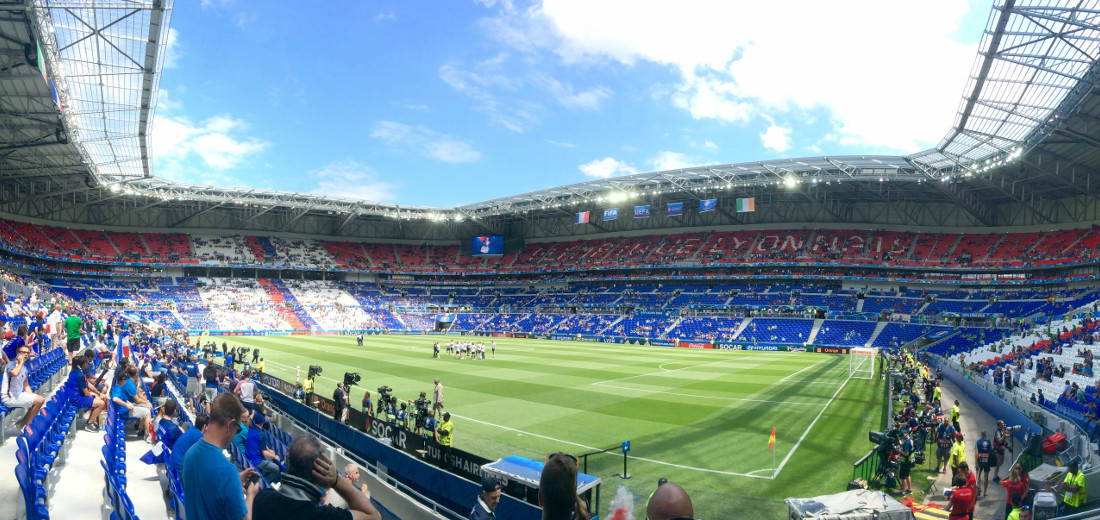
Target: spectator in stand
87,397
159,391
210,375
15,391
558,489
246,390
191,370
16,340
123,395
72,333
165,425
213,489
488,499
669,502
186,441
352,472
308,473
257,451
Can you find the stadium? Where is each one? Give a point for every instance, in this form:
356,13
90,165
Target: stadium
749,332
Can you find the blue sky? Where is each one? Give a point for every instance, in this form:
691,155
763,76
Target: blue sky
460,101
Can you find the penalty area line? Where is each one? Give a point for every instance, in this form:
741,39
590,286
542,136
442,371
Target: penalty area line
661,462
708,396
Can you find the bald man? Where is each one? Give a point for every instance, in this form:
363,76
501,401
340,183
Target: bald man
669,502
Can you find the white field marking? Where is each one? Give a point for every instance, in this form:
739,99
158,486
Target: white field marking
711,396
662,371
803,370
753,473
509,428
808,428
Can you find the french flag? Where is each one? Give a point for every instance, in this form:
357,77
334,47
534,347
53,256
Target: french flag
582,218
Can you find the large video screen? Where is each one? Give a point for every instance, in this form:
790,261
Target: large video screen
487,246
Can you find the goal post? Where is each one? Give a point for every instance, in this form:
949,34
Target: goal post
861,362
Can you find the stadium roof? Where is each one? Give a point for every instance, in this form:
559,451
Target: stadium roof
1028,102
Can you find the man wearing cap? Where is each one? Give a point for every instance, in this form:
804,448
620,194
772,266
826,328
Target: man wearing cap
488,500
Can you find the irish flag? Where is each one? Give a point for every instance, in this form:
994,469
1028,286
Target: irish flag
745,205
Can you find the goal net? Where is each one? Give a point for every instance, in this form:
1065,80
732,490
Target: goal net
861,362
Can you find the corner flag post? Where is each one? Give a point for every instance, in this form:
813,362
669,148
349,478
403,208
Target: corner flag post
771,446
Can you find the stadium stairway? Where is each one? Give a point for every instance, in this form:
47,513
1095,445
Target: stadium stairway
859,305
879,327
741,328
813,332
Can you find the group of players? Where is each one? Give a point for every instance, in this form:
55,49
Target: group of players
466,349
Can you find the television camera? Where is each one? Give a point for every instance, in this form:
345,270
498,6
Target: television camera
386,400
889,449
423,406
351,378
314,370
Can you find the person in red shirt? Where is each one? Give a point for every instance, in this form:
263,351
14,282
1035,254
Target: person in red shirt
971,478
962,500
1014,485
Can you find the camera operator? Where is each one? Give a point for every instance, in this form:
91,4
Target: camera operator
423,411
1000,443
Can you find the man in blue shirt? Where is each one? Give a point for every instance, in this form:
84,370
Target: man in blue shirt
257,451
213,489
186,441
124,394
167,429
191,370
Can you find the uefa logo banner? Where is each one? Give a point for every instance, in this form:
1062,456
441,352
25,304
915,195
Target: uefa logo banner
641,211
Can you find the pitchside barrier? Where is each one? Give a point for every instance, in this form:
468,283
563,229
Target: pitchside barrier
416,469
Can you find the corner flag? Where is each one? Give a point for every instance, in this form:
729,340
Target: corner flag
771,440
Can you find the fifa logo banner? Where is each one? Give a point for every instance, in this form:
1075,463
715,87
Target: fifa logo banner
641,211
610,214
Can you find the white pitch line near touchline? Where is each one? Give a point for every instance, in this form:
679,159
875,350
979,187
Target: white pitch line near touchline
803,370
663,371
661,462
707,396
808,428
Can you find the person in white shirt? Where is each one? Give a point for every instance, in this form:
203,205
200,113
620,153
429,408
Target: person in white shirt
15,391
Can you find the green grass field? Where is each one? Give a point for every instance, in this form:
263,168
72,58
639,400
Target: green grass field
700,418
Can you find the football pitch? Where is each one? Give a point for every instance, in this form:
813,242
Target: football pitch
700,418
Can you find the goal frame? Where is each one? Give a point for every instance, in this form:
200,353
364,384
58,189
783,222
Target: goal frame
861,362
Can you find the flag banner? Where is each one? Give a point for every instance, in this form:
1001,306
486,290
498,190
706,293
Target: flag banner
582,218
610,214
746,205
641,211
771,440
708,205
675,209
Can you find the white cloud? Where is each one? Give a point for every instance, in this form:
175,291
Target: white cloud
215,141
776,138
567,97
172,49
480,82
667,160
423,141
709,145
351,179
606,167
732,67
386,16
563,144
